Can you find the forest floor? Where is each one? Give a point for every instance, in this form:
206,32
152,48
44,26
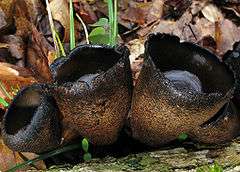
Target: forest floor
27,49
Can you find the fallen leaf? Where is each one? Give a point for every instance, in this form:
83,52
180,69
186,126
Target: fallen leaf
182,28
4,45
37,56
12,79
22,19
197,6
9,72
136,12
35,10
176,8
230,35
6,18
60,12
224,32
9,159
43,26
16,46
3,20
156,11
212,13
86,12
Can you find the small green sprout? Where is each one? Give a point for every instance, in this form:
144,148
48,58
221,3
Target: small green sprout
182,137
106,31
85,146
3,102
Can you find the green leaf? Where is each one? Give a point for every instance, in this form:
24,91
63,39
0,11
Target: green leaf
85,145
102,22
3,102
182,137
87,157
99,36
97,31
100,39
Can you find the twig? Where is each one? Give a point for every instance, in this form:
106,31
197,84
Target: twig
52,28
192,31
84,28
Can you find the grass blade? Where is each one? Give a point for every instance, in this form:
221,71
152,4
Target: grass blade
3,102
62,51
52,29
72,30
3,89
111,21
115,24
45,156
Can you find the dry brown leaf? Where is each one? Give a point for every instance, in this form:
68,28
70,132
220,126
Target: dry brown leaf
230,34
37,56
212,13
9,159
35,10
3,20
6,18
13,78
51,57
14,73
60,12
182,28
156,11
22,19
176,8
224,32
16,46
85,11
136,12
3,45
26,14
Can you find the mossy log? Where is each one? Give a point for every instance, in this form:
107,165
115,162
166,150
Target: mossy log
165,160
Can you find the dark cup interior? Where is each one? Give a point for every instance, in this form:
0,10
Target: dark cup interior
31,123
167,53
87,59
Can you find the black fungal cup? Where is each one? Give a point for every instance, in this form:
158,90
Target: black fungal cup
182,88
31,123
90,97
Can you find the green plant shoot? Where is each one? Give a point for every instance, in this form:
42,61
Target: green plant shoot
106,30
182,137
85,146
72,30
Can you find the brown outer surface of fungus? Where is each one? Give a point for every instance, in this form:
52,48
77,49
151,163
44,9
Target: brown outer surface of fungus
98,113
95,111
32,133
160,112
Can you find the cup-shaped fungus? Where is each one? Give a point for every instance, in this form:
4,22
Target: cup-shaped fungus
92,90
181,86
31,123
